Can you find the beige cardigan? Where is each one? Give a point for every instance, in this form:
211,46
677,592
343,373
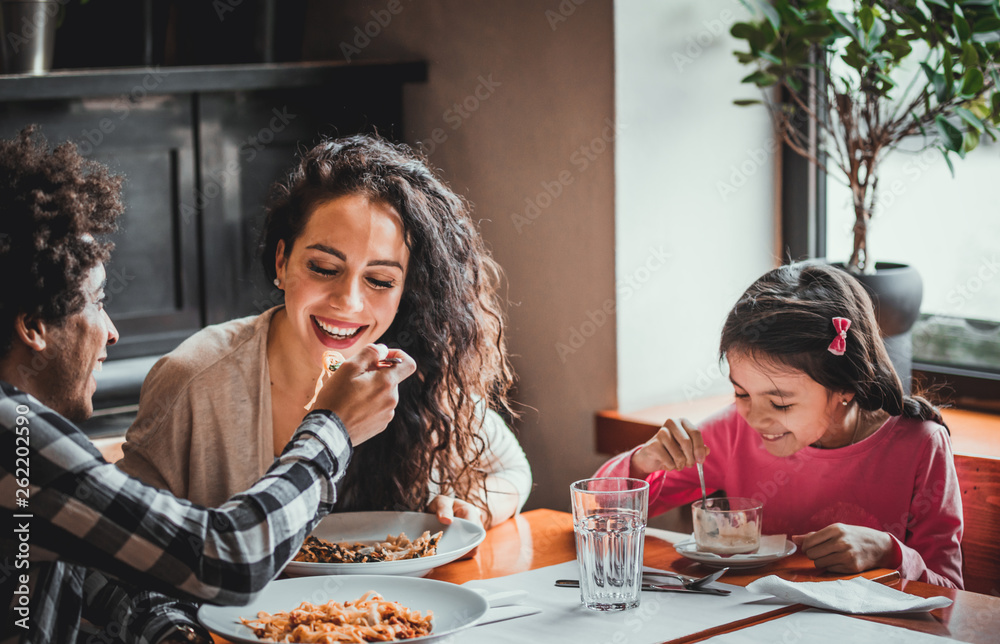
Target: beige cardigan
204,425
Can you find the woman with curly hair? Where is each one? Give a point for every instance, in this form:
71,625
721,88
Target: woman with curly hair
367,245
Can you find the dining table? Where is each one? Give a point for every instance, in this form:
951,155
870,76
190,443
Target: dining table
543,537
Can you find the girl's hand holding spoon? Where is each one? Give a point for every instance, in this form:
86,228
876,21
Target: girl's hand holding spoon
677,444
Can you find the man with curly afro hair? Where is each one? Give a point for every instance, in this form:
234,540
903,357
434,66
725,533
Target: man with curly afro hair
77,519
55,208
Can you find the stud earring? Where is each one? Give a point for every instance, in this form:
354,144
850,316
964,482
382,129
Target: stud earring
844,403
277,283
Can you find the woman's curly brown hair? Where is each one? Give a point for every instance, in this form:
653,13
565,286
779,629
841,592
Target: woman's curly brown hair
54,208
449,320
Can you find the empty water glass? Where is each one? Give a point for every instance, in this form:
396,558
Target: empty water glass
609,519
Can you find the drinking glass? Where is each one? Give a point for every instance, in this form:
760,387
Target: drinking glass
609,519
727,525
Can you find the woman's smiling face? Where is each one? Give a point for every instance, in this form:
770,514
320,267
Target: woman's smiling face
344,276
785,406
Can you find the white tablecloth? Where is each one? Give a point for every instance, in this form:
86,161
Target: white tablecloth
659,617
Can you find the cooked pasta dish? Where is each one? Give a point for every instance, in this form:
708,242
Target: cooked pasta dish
368,619
316,550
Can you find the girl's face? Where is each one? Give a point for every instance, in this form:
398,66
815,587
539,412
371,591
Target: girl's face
785,406
344,275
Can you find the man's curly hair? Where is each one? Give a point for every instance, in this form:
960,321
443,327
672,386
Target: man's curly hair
54,209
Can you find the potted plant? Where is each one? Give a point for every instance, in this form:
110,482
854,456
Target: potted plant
867,75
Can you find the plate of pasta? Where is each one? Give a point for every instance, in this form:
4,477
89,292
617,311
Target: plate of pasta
349,608
383,543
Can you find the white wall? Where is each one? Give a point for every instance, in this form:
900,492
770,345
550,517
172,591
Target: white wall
694,180
554,91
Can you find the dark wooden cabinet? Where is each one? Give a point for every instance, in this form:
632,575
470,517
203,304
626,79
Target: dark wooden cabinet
200,148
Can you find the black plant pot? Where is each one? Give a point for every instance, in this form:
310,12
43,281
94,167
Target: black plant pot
896,290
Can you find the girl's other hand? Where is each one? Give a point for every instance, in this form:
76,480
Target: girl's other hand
848,548
676,445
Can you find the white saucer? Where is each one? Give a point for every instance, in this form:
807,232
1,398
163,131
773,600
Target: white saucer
687,548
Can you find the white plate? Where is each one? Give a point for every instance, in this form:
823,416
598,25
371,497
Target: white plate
455,607
459,538
688,549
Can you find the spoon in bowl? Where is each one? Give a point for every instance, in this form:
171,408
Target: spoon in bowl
701,477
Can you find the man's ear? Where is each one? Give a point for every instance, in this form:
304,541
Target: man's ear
32,332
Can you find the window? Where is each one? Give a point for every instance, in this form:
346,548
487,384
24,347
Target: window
949,229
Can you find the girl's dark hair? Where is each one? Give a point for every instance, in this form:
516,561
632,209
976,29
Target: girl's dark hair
449,320
786,317
54,208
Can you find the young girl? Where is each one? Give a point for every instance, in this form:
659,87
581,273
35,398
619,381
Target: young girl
367,245
857,473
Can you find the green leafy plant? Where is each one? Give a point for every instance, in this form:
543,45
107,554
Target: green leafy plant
868,74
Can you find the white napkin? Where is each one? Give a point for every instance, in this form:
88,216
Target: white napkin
859,596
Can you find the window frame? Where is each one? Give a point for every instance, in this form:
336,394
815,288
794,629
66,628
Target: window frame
803,190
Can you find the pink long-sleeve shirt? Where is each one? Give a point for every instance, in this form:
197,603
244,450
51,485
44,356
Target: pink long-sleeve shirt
899,480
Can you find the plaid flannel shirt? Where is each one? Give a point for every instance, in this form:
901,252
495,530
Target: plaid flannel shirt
70,510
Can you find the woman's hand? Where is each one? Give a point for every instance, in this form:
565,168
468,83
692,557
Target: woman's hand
448,507
848,548
363,394
675,446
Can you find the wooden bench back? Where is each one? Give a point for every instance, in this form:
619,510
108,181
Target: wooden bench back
979,480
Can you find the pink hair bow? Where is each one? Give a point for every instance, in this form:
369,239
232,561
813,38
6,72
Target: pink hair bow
839,344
